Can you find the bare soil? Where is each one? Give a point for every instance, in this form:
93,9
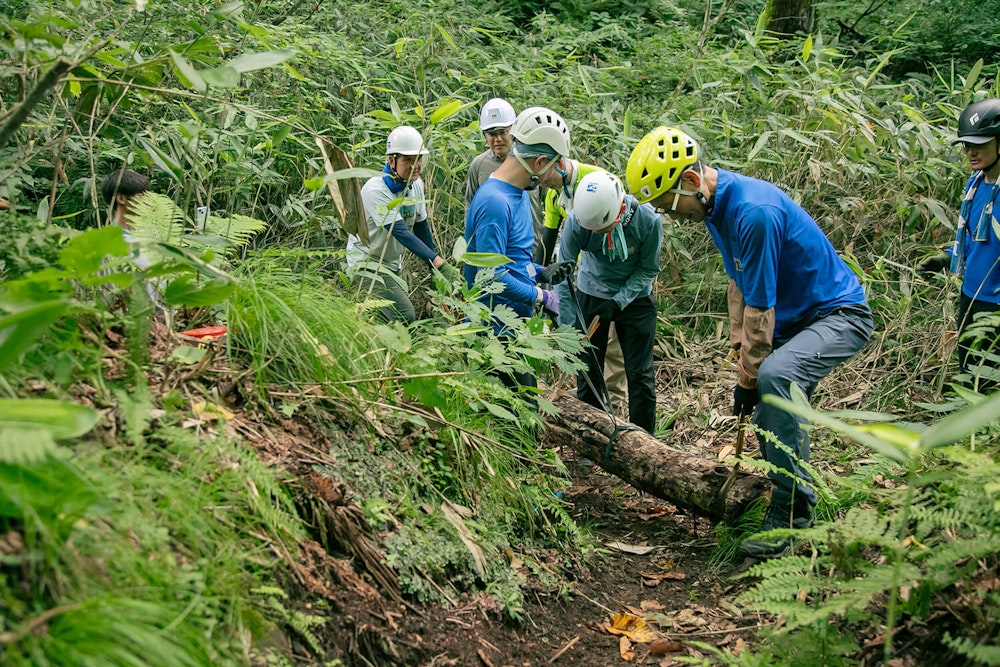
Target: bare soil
666,596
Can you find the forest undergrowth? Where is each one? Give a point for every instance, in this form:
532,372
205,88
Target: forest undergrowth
175,502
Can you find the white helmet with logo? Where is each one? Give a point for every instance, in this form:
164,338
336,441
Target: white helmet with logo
497,112
405,140
598,200
538,125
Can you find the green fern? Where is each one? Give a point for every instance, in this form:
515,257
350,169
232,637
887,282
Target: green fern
155,218
984,655
238,230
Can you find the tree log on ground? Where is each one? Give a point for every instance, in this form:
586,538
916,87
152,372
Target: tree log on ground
694,483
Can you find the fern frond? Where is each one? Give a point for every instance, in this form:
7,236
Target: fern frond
24,445
984,655
155,218
239,230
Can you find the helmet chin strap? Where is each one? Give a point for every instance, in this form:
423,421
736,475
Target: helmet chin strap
535,177
565,179
705,202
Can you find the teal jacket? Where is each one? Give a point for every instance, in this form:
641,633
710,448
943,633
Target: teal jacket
624,281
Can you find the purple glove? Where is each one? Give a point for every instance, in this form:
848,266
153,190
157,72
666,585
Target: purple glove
550,303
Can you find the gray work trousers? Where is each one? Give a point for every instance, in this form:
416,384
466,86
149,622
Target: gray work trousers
805,359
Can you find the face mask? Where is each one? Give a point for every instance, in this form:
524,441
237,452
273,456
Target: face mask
615,248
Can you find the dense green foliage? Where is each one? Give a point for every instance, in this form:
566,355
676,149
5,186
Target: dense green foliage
221,105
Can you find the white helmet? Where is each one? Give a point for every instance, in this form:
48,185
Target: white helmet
496,113
405,140
598,200
538,125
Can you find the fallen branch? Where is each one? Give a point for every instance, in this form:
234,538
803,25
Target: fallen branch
691,482
22,110
564,649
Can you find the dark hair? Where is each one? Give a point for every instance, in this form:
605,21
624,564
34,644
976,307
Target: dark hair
123,182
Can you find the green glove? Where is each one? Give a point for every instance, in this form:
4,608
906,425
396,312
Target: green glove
450,273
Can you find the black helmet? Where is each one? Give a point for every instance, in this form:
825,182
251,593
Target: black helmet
980,122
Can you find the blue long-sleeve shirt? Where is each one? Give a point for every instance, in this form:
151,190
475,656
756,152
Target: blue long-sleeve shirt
981,258
777,255
499,221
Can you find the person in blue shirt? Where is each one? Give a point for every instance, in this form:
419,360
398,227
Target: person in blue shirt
618,242
396,215
975,254
499,219
796,309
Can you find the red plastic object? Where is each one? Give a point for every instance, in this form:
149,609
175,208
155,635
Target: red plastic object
204,334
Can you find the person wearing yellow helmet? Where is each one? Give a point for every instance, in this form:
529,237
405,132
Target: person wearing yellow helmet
796,309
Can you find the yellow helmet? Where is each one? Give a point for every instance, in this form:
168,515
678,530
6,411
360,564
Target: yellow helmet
657,162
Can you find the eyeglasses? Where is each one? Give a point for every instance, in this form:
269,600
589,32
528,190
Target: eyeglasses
969,146
498,132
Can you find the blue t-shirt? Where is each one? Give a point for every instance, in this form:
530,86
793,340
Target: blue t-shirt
624,281
981,281
777,255
499,221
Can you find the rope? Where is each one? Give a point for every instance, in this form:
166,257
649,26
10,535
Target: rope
600,391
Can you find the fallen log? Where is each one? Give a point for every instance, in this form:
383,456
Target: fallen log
691,482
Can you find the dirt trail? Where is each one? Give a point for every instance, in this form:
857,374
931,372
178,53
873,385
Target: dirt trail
654,571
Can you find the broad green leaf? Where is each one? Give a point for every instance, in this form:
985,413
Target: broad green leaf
83,254
445,111
163,160
249,62
499,411
187,354
314,184
280,135
465,329
63,419
19,330
800,406
221,77
427,391
384,115
970,80
960,424
42,211
900,436
447,38
459,249
230,9
187,74
484,259
788,132
759,145
188,259
807,48
184,291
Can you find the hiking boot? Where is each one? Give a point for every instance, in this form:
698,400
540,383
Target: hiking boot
778,516
802,515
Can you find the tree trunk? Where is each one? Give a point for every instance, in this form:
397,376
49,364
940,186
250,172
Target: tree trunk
691,482
788,17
